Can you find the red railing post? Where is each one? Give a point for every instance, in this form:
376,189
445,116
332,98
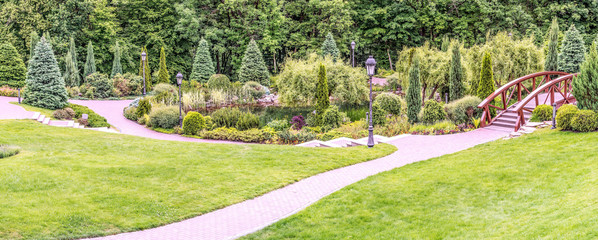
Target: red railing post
537,102
519,92
504,100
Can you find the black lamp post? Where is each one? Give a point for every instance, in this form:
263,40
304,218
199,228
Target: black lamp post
179,81
19,95
143,55
353,54
370,65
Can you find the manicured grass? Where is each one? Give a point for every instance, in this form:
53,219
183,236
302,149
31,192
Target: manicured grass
42,111
541,186
72,183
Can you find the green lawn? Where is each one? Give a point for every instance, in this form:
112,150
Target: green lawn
46,112
540,186
71,183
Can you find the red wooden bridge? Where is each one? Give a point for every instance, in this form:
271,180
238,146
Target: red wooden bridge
502,112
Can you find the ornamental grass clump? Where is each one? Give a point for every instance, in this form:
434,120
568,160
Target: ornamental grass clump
8,150
542,113
584,121
193,123
564,116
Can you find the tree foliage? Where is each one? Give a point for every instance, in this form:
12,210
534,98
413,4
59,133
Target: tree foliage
12,68
552,54
414,97
203,67
116,66
585,86
322,94
572,51
253,67
90,63
329,47
456,74
486,86
163,76
45,86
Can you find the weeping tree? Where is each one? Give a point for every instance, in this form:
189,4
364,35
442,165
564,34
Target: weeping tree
148,71
573,51
322,94
585,87
414,97
12,67
329,47
552,55
456,89
203,67
90,63
163,76
116,67
45,86
253,67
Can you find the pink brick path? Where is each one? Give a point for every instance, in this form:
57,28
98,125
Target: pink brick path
11,111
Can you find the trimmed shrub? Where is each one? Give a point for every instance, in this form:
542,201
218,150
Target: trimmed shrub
164,117
486,83
298,122
12,68
564,116
130,113
433,112
193,123
209,122
294,137
542,113
93,119
322,94
585,87
390,102
144,107
231,134
279,125
248,121
414,97
67,113
463,110
166,93
331,118
163,76
379,115
8,150
395,125
101,83
226,117
254,90
219,81
585,121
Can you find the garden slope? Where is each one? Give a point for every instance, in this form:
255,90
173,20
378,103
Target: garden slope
71,183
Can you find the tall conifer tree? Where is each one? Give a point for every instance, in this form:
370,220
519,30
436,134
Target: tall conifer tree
552,56
585,86
75,72
90,63
456,75
45,86
116,67
573,51
486,84
414,97
253,67
329,47
70,76
163,76
203,67
12,67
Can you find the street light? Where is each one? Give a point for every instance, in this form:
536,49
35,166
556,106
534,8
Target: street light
353,54
143,55
179,81
370,65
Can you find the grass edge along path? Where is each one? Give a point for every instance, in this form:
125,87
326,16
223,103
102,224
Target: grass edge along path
542,185
73,183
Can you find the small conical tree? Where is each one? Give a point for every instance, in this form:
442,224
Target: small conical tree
486,86
148,71
573,51
414,97
116,67
90,63
75,73
456,75
322,97
552,56
329,47
446,44
585,87
203,67
163,76
70,74
45,86
253,67
12,67
33,40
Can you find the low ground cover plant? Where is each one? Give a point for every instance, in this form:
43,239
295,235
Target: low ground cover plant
8,150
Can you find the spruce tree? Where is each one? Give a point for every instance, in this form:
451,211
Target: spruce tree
552,56
70,74
573,51
163,76
322,97
253,67
90,63
33,40
329,47
116,67
203,67
75,74
12,67
585,86
148,71
456,75
414,97
45,86
486,84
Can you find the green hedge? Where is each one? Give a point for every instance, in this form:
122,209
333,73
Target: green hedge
564,116
232,134
193,123
542,113
94,120
584,121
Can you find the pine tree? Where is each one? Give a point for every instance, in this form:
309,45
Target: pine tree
116,67
71,77
12,67
45,86
75,74
203,67
585,86
163,76
148,71
90,64
414,97
486,84
253,67
552,56
573,51
322,97
329,47
33,40
456,75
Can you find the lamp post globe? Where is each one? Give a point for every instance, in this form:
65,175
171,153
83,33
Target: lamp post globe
353,54
370,66
143,56
179,81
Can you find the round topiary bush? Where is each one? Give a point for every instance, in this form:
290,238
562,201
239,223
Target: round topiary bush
379,115
331,118
564,116
463,110
433,112
542,113
193,123
390,102
164,117
254,90
219,81
584,121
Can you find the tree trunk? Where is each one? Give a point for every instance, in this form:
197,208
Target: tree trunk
433,92
274,56
389,58
424,87
218,63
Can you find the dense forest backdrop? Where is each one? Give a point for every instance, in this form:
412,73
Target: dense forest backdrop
281,27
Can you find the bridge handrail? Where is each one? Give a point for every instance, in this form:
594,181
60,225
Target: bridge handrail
542,89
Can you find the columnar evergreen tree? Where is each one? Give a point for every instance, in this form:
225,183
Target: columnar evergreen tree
573,51
75,75
322,94
116,67
203,67
446,43
70,74
456,75
414,97
163,76
148,71
253,67
585,86
486,86
33,40
329,47
12,67
90,63
45,86
552,56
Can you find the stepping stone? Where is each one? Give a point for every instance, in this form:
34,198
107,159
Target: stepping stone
317,143
41,118
345,142
515,134
70,123
46,121
75,125
35,115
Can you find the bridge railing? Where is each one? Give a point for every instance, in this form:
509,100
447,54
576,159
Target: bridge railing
514,89
561,86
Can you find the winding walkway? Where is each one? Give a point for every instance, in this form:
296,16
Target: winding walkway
12,111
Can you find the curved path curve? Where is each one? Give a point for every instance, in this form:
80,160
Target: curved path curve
11,111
